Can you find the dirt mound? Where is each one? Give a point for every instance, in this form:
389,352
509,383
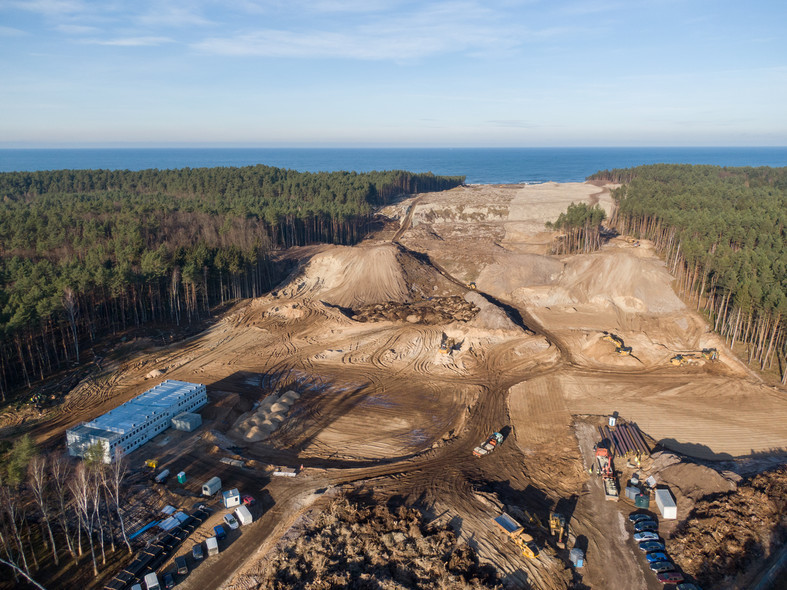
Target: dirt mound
727,533
259,424
490,316
365,545
623,281
351,277
437,310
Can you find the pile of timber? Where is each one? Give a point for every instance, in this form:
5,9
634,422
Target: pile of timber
626,438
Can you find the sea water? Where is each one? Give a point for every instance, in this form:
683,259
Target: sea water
479,165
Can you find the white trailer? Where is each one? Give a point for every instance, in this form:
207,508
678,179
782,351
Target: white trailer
213,546
666,504
244,516
211,486
161,477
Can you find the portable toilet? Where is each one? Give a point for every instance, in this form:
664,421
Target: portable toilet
577,557
182,477
231,498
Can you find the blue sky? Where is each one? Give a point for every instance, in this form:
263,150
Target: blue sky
392,73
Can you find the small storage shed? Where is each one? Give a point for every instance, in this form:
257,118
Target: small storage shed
231,498
186,421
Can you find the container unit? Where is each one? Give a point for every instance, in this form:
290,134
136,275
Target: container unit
211,486
577,557
666,504
244,515
631,492
187,421
231,498
132,424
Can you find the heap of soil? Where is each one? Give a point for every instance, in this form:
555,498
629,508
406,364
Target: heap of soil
437,310
368,545
726,533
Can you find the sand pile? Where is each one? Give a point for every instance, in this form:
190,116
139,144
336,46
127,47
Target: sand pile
260,424
351,277
490,316
629,283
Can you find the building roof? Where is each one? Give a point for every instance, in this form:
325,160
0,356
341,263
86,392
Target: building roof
145,406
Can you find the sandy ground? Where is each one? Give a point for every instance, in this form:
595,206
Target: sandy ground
378,403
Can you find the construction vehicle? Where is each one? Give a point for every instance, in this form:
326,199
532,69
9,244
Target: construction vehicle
472,285
710,354
151,463
518,535
557,528
489,445
607,473
620,346
447,344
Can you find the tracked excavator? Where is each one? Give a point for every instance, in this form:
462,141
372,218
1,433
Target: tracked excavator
620,347
517,534
692,358
558,529
447,344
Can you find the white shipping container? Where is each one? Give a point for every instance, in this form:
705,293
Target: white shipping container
212,486
666,504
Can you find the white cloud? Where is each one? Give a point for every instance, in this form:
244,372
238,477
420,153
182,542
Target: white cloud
130,41
49,7
11,32
76,29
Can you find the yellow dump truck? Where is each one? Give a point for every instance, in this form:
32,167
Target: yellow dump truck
517,534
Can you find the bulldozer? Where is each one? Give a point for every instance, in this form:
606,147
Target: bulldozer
620,347
472,285
518,535
151,463
557,528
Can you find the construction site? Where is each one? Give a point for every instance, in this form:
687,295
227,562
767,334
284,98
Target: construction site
448,387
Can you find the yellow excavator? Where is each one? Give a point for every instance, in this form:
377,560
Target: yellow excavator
692,358
620,347
557,528
447,344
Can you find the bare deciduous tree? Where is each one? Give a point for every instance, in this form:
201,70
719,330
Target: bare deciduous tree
113,481
80,486
39,485
61,471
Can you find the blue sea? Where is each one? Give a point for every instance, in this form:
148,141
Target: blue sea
479,165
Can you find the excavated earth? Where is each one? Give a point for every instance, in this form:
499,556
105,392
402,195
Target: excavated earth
355,334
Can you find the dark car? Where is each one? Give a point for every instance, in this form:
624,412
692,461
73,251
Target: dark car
662,566
196,552
646,525
670,577
169,581
657,556
638,516
649,546
220,532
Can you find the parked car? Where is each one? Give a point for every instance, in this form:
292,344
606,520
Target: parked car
662,566
231,522
249,500
637,516
646,536
646,525
196,552
649,546
657,556
169,581
688,586
667,577
220,532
